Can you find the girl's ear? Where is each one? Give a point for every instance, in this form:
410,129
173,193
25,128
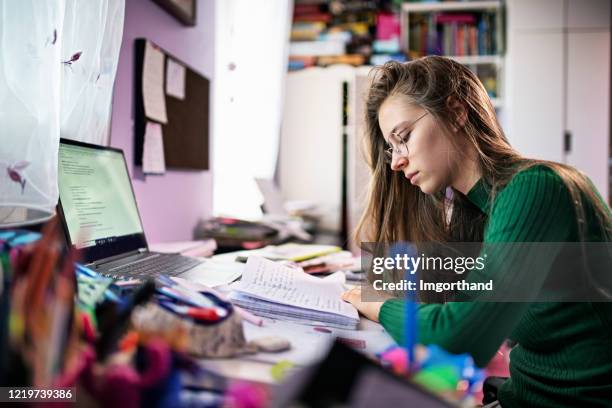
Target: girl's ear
458,111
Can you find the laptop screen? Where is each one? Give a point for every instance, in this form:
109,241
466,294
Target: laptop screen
97,202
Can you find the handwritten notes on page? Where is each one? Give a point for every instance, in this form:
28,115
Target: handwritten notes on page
153,84
274,290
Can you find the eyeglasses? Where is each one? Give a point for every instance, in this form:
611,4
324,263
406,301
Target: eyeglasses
402,149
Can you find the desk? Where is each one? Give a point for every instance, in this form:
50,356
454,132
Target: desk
252,369
309,345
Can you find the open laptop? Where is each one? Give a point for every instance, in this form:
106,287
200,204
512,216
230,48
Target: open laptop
100,216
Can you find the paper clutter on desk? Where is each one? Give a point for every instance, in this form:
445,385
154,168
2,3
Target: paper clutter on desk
272,290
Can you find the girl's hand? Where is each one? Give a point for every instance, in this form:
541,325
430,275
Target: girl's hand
368,309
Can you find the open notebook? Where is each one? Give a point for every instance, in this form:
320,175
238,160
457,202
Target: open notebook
274,290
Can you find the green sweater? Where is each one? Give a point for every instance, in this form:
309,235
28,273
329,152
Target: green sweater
564,352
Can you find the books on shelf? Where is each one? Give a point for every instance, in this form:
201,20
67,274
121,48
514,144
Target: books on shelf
336,32
454,34
349,59
297,62
270,289
307,31
323,17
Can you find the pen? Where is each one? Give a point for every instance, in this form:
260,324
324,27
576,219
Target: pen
185,296
172,294
410,333
196,313
179,289
85,270
410,309
246,315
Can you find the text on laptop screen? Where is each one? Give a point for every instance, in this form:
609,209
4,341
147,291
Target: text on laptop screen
96,196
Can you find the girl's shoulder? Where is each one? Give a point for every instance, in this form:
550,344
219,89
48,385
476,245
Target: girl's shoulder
535,205
536,172
534,182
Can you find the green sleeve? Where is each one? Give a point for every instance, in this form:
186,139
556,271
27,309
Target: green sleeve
534,207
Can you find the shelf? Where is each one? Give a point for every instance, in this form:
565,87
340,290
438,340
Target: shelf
478,59
489,66
451,6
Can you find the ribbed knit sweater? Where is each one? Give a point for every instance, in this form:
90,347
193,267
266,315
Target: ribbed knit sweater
564,352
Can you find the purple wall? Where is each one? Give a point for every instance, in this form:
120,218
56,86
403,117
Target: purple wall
170,205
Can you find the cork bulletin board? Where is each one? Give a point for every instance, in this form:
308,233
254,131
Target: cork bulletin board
185,126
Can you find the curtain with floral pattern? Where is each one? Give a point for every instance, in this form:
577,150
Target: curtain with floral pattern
58,61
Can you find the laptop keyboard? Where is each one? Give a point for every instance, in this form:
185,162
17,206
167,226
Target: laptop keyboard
166,264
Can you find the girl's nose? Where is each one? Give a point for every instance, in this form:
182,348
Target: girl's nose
398,162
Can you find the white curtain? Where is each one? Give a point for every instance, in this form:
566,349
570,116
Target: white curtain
58,61
251,55
94,28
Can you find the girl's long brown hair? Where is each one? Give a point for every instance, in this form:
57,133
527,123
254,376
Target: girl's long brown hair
399,211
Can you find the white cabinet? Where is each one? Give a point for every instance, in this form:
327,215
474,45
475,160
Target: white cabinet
311,165
588,14
310,159
588,104
558,83
539,15
534,95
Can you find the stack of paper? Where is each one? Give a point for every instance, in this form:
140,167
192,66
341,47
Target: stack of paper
273,290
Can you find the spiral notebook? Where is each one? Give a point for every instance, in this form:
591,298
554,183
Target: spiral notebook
273,290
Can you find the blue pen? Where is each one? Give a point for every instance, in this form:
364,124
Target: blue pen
198,301
168,292
85,270
410,308
164,280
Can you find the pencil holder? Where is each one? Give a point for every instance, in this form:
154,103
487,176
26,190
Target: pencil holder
217,339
